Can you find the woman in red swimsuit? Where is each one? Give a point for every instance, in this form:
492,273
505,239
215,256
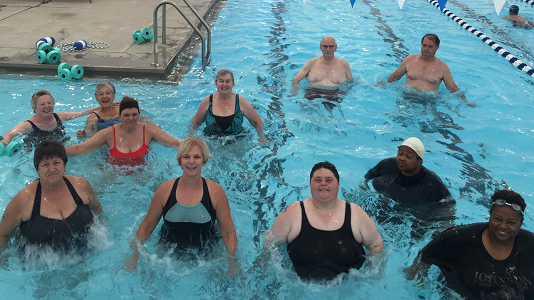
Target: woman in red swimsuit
128,141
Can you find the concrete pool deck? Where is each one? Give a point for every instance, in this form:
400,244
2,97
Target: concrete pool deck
24,22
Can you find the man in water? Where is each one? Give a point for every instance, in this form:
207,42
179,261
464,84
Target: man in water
425,71
325,73
404,179
518,21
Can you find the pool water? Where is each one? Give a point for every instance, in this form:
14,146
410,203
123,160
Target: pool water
474,150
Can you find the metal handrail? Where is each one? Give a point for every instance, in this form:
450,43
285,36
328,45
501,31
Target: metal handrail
205,57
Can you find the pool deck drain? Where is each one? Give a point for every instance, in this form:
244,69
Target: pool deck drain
23,23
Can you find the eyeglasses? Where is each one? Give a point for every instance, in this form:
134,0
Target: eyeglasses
514,206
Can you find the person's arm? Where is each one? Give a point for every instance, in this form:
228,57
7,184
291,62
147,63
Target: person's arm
301,75
149,223
19,128
94,204
253,117
401,70
224,220
161,137
94,143
364,229
451,85
348,71
65,116
284,229
90,127
198,118
12,217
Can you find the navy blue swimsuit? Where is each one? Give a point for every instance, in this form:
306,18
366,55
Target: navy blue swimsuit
105,123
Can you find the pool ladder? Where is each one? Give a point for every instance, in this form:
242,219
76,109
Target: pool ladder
205,56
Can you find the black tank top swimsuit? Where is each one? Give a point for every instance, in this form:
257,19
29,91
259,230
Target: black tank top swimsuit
37,134
189,233
322,255
63,234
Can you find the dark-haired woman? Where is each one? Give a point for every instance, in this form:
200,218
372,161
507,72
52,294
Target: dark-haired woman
490,260
128,141
325,234
56,210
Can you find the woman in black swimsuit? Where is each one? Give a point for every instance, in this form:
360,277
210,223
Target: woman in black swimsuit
45,124
56,210
324,234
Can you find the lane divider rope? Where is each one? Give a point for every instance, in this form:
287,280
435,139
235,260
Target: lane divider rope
509,57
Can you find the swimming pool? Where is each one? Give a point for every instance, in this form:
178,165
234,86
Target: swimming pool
474,150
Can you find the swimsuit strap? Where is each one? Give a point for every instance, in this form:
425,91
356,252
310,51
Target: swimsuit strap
236,104
33,125
305,220
211,100
58,120
98,117
143,136
114,146
75,196
36,211
347,216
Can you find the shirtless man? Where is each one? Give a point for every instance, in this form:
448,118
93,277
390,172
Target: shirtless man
324,71
425,71
518,21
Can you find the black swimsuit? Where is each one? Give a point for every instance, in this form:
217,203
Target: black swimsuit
189,226
37,134
323,255
59,234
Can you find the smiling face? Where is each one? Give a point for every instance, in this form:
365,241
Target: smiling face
44,106
225,84
324,185
105,97
328,47
192,161
51,170
408,161
428,48
504,224
129,116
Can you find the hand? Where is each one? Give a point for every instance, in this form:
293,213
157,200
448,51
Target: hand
130,264
263,140
81,134
471,104
116,104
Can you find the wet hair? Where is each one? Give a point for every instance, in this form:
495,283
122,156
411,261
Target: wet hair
49,149
38,94
223,72
104,84
188,144
432,37
514,10
321,43
128,102
510,197
325,165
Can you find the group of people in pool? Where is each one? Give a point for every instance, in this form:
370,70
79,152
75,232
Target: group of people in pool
325,235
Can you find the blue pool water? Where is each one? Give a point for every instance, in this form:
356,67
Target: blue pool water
474,150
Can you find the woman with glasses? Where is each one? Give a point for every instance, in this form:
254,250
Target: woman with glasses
489,260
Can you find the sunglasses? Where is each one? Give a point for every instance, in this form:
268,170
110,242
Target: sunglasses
515,207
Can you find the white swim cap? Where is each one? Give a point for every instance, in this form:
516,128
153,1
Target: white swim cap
416,145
